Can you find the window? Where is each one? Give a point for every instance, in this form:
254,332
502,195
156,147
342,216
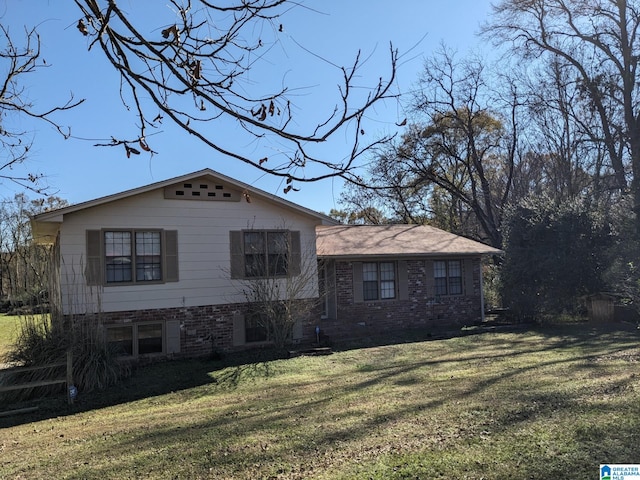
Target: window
136,339
148,255
264,253
117,248
120,339
379,280
255,328
123,258
447,277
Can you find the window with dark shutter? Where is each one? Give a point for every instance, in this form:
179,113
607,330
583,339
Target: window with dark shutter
116,257
447,277
264,253
374,281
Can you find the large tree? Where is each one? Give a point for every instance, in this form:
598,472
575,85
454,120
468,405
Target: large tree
454,165
566,158
189,64
597,40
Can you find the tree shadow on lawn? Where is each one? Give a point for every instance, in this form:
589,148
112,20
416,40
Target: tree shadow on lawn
224,440
172,376
147,381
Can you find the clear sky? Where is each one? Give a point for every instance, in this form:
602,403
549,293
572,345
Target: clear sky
332,29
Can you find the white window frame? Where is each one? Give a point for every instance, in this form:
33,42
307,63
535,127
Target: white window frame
382,293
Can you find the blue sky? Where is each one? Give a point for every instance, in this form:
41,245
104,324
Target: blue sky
332,29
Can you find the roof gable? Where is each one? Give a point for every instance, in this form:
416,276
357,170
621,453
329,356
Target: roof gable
215,182
394,240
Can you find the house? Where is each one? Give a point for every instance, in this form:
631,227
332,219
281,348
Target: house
382,278
164,267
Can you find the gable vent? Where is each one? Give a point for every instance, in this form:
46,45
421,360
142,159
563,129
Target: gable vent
202,189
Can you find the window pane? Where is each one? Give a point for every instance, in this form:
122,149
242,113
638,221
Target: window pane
255,254
117,247
277,243
148,257
387,271
455,277
370,290
278,265
440,286
148,243
387,289
254,243
120,339
454,268
149,338
370,272
439,269
255,328
117,244
254,266
455,286
278,250
387,280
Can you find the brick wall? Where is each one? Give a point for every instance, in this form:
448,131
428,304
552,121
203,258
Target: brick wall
203,329
209,328
420,310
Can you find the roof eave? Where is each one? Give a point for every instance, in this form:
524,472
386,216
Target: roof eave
358,256
58,215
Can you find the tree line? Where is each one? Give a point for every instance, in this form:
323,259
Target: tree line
536,152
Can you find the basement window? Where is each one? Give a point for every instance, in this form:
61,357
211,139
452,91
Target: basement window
134,340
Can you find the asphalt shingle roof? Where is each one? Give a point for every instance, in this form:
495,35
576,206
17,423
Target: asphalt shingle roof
396,240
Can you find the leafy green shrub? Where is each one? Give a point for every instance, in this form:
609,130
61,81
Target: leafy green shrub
553,257
622,274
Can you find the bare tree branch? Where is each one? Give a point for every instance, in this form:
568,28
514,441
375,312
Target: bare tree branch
194,69
15,143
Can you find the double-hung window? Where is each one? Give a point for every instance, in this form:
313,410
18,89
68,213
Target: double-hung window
379,280
133,256
125,256
266,253
447,277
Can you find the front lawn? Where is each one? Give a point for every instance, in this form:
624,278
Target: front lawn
8,329
551,403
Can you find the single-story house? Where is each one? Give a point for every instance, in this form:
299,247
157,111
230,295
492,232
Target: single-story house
164,267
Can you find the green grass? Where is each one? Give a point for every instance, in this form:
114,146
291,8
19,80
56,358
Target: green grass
551,403
8,330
